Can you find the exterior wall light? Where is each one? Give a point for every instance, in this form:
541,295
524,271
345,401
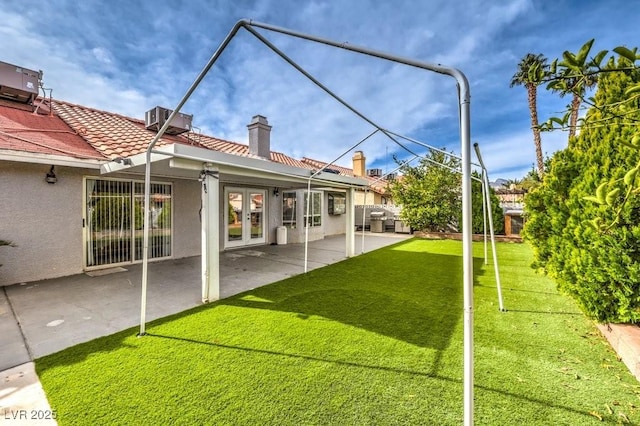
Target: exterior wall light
51,176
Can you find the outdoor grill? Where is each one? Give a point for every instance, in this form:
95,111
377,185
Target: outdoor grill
377,220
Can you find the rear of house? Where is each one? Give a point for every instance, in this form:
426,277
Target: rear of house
73,188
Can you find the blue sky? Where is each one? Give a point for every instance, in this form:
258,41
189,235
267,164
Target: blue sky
127,56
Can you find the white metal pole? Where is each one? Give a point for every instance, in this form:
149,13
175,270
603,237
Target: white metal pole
147,171
493,247
493,236
145,244
467,247
484,219
364,217
306,228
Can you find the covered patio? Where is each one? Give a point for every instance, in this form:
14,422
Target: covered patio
44,317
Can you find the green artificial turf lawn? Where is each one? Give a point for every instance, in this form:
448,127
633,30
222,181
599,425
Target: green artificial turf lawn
376,339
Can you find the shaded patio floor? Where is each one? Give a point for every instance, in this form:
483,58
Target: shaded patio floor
44,317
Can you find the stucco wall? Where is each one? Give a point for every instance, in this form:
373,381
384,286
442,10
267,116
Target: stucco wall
45,221
333,224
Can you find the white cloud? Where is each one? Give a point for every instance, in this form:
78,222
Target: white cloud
128,57
511,156
102,55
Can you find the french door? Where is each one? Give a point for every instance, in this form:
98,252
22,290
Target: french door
244,216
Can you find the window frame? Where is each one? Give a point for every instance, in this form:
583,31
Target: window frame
315,210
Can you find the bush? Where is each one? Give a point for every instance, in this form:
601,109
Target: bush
598,265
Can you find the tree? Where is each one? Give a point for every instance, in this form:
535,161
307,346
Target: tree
430,195
531,179
512,183
531,73
590,244
575,75
532,70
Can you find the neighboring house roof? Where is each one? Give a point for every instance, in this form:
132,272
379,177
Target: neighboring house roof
377,184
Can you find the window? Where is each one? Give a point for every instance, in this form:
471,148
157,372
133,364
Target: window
517,223
337,204
289,209
314,218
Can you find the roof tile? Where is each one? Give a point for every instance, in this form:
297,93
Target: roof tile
83,132
40,133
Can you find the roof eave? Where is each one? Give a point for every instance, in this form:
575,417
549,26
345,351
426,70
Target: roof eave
51,159
230,163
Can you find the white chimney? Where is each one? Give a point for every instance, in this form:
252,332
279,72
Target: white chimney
260,137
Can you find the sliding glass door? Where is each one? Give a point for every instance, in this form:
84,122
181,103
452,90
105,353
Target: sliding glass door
113,221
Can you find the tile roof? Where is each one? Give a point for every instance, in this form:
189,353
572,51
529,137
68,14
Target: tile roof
115,135
84,132
110,134
320,164
38,132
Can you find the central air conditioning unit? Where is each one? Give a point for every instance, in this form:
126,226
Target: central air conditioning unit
374,172
155,118
19,84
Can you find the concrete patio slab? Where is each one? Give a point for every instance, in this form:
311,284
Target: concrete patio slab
44,317
22,399
59,313
13,350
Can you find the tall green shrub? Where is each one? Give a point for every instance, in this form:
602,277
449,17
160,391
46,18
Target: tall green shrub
592,249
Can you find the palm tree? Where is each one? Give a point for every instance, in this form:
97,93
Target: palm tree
512,184
576,75
531,73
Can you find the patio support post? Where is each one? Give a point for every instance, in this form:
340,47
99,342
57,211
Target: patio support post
210,226
350,232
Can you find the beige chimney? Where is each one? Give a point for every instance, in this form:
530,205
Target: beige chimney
359,164
260,137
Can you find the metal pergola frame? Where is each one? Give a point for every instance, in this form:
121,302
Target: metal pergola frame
463,91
